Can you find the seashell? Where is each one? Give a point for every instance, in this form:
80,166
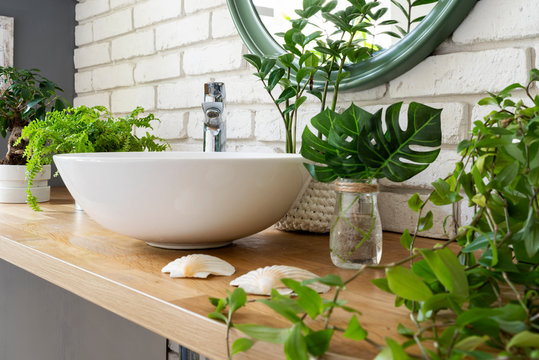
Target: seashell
199,266
262,280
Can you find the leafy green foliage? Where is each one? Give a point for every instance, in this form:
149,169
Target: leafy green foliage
83,129
355,146
407,11
474,296
25,95
317,55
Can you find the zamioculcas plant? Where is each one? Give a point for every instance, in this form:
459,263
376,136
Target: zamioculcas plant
317,55
84,129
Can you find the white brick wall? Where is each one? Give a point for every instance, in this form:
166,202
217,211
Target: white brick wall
158,54
6,41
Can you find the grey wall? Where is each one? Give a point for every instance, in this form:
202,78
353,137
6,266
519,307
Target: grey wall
39,320
44,39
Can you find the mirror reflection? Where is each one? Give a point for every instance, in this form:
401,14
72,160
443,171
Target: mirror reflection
399,18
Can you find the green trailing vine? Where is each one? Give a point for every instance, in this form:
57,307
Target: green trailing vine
488,290
81,130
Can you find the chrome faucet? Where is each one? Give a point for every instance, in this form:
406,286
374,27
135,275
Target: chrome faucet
214,117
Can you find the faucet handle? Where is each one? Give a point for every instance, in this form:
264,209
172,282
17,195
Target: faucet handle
214,92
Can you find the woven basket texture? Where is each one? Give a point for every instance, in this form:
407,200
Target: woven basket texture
314,210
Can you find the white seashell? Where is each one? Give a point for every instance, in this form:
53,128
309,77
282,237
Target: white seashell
199,266
262,280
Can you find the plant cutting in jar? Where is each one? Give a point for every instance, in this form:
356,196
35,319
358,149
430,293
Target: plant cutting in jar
355,149
311,54
84,129
477,300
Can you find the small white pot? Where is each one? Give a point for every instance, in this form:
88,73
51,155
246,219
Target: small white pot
13,184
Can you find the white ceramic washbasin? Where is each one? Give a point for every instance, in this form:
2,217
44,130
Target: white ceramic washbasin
184,200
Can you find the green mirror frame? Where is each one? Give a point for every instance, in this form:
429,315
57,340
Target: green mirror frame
445,17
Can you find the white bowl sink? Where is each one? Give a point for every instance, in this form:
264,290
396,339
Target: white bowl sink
184,200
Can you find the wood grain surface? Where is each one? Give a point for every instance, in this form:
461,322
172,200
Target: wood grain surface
123,275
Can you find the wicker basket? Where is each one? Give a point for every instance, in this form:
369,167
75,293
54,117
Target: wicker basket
314,210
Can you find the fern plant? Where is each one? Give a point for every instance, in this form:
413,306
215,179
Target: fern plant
81,130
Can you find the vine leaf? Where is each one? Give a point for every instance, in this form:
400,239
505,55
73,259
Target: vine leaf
404,283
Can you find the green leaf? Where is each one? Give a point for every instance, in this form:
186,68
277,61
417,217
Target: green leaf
389,154
287,93
423,2
463,145
397,351
354,330
476,314
415,202
404,331
330,280
308,298
382,284
422,269
263,333
471,342
534,75
448,270
385,354
274,78
267,66
287,60
318,341
426,222
404,283
240,345
295,346
282,309
218,316
254,60
238,298
406,239
530,233
524,339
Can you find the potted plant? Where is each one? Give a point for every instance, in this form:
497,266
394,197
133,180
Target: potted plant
478,300
326,57
353,149
25,95
84,129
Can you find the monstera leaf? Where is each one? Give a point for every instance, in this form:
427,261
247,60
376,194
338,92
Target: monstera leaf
354,144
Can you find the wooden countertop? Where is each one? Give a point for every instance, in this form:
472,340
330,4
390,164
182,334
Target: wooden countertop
123,275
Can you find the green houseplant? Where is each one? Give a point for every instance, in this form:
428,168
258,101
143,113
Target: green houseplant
325,54
25,95
478,302
317,55
353,148
84,129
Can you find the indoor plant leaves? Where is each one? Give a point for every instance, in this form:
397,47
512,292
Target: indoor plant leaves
354,145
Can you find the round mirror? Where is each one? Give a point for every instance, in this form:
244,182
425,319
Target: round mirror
411,30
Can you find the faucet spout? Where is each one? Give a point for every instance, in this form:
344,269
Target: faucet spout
214,117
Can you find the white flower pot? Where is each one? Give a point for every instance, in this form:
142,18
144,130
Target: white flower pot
13,184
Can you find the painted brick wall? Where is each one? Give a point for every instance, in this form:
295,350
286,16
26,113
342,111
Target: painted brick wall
158,54
6,41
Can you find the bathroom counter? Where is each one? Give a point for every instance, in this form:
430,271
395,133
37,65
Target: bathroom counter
123,275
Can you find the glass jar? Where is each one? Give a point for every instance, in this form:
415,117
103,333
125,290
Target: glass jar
355,237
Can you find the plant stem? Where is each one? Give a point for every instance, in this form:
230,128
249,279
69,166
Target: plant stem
517,294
